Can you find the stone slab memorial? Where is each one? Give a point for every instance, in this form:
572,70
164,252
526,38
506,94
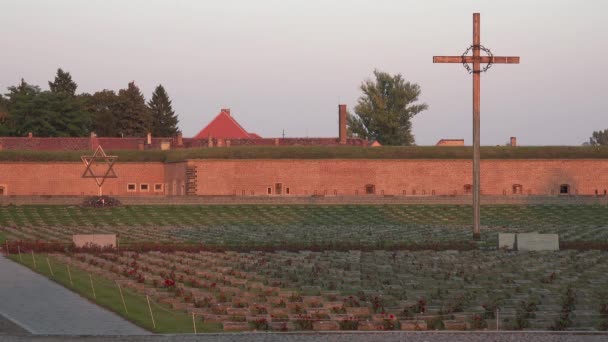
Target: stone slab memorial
506,240
528,241
537,242
99,240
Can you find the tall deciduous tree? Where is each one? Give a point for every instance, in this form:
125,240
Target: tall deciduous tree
385,110
63,83
599,138
164,120
46,113
4,118
133,115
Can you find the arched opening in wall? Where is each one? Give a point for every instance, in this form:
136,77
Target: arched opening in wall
596,192
269,191
287,191
3,190
278,188
517,189
370,189
467,189
605,192
564,189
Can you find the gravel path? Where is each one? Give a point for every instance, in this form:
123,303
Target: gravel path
339,337
41,306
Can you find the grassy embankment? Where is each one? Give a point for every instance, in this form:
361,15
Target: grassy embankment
322,152
107,295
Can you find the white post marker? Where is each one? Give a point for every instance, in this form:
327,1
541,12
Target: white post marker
497,319
50,268
194,323
70,276
92,287
19,251
122,298
151,315
34,259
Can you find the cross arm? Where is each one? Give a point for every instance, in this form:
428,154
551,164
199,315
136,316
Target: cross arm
472,59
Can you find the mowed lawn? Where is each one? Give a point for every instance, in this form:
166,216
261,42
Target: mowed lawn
377,226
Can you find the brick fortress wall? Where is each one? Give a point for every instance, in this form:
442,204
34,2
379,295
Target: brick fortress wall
341,177
398,177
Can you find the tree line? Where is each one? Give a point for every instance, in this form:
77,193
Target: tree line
60,112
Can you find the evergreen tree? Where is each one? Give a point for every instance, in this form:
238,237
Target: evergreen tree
133,118
164,120
104,108
63,83
385,110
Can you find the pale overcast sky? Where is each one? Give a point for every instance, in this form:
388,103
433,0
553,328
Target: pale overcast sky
287,64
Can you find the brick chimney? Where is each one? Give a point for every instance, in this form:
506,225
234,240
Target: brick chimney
180,139
513,141
94,141
226,110
30,135
149,139
342,123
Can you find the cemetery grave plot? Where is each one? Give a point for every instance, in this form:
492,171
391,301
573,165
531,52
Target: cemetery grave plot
378,290
369,226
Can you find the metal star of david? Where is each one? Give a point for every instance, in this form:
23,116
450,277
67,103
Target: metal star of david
99,157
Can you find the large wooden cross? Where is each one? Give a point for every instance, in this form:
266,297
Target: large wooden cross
476,60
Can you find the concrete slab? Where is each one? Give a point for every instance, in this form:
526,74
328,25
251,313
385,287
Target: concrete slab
537,242
506,240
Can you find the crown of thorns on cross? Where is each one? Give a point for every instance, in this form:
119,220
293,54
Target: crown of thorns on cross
99,158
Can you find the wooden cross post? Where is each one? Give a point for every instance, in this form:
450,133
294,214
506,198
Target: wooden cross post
476,60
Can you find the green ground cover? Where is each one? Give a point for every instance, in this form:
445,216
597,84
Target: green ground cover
368,226
324,152
107,295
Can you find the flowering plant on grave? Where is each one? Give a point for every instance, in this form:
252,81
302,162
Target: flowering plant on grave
304,322
478,322
260,324
338,309
389,324
140,278
259,310
169,283
349,323
351,301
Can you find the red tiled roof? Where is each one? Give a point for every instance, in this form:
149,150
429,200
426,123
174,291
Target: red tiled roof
225,127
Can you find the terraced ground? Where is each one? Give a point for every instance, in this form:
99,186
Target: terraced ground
379,290
367,226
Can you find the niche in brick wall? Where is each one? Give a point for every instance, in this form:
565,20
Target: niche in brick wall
370,189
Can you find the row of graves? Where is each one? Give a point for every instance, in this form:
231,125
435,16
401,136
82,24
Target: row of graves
380,290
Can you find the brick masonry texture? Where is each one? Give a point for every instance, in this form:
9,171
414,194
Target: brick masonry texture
327,177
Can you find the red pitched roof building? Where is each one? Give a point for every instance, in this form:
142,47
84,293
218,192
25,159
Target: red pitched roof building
223,126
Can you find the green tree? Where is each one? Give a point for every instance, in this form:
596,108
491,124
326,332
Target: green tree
598,138
164,120
4,117
45,113
63,83
104,108
133,118
385,110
